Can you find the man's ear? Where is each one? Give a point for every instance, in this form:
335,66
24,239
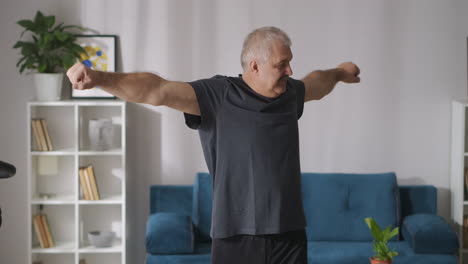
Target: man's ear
253,66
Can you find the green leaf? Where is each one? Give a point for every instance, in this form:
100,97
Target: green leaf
27,24
375,229
18,44
68,61
394,232
42,68
58,27
20,61
39,17
61,35
50,21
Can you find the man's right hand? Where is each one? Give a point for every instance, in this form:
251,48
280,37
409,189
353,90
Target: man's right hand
81,76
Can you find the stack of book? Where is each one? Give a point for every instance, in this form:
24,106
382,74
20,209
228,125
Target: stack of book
43,233
88,183
41,140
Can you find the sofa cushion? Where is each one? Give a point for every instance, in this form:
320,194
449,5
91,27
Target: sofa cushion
336,204
428,233
202,206
169,233
345,252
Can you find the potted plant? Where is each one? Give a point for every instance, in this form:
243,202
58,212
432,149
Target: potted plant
382,254
51,50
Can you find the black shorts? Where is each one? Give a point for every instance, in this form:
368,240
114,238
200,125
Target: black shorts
285,248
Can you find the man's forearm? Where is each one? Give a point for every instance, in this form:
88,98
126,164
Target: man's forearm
320,83
133,87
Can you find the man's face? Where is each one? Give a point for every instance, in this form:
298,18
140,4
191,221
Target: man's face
273,74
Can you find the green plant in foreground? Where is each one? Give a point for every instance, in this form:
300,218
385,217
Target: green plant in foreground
51,47
381,239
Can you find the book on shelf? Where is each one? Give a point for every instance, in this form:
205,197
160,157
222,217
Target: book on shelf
35,136
92,179
40,233
43,231
85,187
465,188
46,133
465,231
88,183
39,136
42,141
45,222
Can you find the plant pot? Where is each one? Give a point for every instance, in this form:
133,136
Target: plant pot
48,86
374,260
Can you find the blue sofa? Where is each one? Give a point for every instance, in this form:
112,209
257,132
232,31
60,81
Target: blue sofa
335,204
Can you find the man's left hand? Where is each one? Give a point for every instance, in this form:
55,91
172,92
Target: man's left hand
349,72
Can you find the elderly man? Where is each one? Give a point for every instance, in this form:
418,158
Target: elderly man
248,128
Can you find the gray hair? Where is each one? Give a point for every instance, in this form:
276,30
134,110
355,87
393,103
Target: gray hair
257,44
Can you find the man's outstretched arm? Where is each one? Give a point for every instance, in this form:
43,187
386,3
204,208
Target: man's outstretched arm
320,83
145,88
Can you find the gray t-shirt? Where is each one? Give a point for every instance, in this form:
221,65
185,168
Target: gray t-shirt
251,146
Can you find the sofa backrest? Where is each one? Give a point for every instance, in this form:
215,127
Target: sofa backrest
171,199
418,199
202,205
319,190
336,204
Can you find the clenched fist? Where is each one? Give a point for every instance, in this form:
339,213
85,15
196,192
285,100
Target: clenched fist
350,73
82,77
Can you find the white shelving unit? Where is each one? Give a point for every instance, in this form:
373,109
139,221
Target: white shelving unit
70,216
459,161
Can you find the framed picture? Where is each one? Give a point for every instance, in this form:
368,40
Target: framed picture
100,55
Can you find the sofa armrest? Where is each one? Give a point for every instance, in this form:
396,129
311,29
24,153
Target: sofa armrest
429,233
169,233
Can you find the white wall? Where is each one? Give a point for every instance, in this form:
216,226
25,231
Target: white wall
412,56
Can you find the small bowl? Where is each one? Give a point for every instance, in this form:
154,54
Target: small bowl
101,238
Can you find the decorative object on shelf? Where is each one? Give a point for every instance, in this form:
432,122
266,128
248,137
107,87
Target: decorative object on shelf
117,228
101,238
383,254
51,51
100,132
99,54
118,173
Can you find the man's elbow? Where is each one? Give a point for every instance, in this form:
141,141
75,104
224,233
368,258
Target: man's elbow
150,96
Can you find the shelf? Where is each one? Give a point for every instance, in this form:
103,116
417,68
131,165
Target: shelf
78,102
61,247
116,248
115,199
97,153
63,152
58,199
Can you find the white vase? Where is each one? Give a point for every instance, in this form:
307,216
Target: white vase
100,133
48,86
